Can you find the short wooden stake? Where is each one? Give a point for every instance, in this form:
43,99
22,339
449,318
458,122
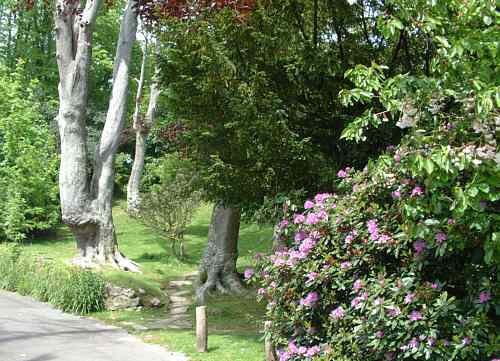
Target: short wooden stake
269,348
201,329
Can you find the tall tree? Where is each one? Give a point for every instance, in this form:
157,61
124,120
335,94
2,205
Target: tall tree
142,125
86,199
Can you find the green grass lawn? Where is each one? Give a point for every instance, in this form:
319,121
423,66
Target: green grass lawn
234,322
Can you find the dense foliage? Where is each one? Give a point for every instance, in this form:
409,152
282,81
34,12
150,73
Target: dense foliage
28,162
402,261
68,288
257,97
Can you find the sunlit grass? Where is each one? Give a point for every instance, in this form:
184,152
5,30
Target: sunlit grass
234,322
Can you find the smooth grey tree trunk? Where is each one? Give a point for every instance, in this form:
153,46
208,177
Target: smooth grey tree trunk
218,267
86,202
142,128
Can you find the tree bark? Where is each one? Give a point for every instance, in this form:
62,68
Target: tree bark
86,204
142,128
218,267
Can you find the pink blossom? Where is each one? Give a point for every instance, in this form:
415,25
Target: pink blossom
379,334
356,302
298,218
308,204
312,218
358,284
310,300
321,197
417,191
283,223
311,276
440,237
383,239
372,229
409,298
337,313
397,158
378,301
249,272
299,236
345,265
261,291
484,297
466,341
419,246
284,355
322,215
297,255
342,173
434,285
293,347
394,311
279,262
414,343
307,245
451,221
313,351
302,350
415,316
396,194
431,341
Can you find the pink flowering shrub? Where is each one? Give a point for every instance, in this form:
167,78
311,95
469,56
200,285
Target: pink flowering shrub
368,275
382,278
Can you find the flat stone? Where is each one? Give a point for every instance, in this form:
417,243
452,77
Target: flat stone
181,283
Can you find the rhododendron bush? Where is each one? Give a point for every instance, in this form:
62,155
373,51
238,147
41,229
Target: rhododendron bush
400,261
391,266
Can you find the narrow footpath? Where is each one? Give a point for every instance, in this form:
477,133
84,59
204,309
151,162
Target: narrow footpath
34,331
180,295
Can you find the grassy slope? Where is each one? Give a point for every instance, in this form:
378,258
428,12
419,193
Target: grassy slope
234,322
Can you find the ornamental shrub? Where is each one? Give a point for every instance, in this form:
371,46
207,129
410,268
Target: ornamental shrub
402,261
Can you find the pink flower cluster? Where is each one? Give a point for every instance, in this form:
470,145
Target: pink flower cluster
372,229
351,236
249,272
302,351
310,299
343,173
337,313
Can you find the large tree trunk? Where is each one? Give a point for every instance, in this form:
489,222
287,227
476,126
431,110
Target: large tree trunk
87,205
218,266
142,128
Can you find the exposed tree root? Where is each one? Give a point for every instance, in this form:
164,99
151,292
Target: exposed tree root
117,260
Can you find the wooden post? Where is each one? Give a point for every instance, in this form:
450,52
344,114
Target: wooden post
269,348
201,329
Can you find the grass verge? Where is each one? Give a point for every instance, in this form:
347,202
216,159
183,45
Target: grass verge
234,322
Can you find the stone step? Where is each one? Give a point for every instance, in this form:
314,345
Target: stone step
180,299
180,283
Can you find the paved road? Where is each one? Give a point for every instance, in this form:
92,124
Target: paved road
33,331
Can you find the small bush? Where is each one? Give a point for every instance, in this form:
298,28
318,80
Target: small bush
169,205
67,288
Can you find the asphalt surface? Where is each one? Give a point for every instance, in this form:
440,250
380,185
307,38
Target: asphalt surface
34,331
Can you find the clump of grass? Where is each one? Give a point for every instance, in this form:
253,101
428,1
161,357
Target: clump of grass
67,288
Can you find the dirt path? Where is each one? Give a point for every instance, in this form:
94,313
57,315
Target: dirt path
180,295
